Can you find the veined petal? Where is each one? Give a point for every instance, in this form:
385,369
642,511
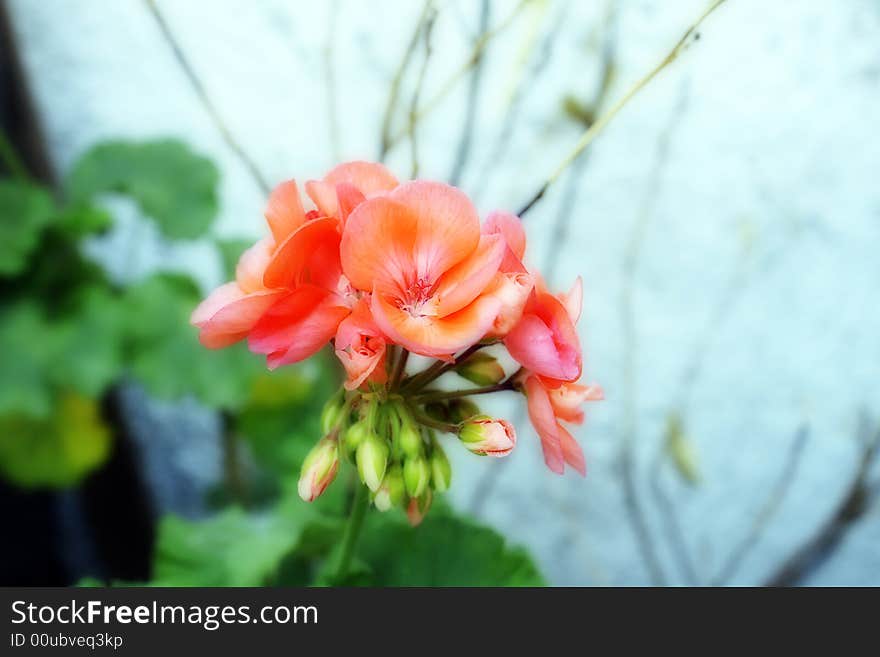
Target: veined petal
297,325
228,314
378,243
447,225
542,418
435,336
289,262
469,278
284,212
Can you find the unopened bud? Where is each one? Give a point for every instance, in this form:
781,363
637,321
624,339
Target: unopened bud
356,434
319,468
441,470
488,437
416,475
331,414
482,369
372,457
392,490
462,409
410,440
418,507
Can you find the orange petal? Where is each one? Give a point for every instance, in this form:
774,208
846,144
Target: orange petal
227,315
349,197
360,347
252,264
377,244
290,259
447,225
510,228
541,415
369,178
512,289
571,451
297,325
470,277
435,336
284,212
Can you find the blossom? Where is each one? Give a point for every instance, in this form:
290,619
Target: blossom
419,251
545,340
360,347
232,310
513,284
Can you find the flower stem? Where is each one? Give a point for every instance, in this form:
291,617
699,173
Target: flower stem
399,369
455,394
352,530
605,119
445,427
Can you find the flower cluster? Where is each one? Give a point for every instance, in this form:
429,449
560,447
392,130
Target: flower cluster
382,269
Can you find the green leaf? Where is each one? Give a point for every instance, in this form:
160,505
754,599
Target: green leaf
25,210
27,344
171,184
89,343
78,221
57,451
231,549
445,550
166,356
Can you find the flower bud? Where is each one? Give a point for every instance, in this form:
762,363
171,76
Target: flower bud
488,437
392,490
331,414
410,440
372,457
356,434
319,468
416,475
418,507
462,409
441,470
482,369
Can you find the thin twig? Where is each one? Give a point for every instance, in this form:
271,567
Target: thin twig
420,83
397,80
594,130
451,82
768,509
202,94
467,130
855,502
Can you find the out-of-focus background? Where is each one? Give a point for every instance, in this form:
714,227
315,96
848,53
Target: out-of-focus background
726,225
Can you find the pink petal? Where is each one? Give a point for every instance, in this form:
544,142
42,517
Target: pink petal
541,415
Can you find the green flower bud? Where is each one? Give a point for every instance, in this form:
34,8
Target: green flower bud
392,491
319,468
482,369
372,457
416,475
331,414
462,409
356,434
410,440
441,469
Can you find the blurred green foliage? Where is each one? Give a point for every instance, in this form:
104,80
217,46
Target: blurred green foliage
69,336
